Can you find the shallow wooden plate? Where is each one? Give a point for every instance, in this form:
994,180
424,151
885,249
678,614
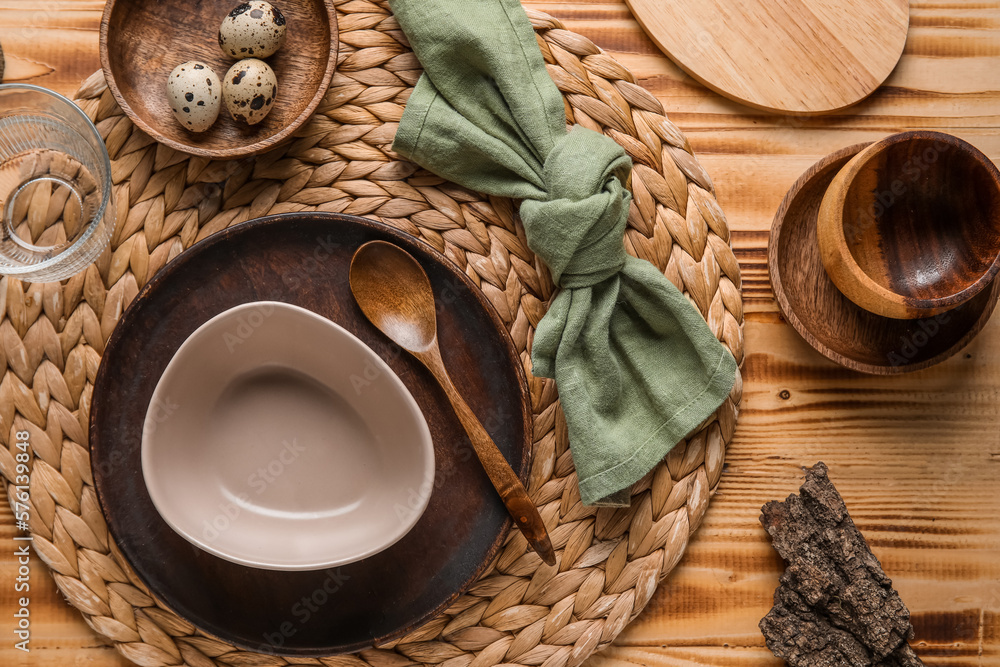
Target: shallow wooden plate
833,324
304,259
797,57
141,42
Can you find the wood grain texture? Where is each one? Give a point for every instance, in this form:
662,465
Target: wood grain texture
787,56
141,42
917,458
910,226
833,324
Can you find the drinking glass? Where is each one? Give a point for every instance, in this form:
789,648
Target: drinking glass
55,186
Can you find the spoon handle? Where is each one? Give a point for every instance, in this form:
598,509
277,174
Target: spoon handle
512,492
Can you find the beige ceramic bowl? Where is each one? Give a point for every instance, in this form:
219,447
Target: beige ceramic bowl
276,439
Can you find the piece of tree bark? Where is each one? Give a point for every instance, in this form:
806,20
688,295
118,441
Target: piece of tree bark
835,606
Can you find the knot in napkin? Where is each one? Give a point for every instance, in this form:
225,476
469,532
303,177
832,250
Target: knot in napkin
578,227
636,366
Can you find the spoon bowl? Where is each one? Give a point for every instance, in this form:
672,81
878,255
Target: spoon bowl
395,293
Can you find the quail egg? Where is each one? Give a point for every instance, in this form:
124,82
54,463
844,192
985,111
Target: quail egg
253,30
195,95
249,89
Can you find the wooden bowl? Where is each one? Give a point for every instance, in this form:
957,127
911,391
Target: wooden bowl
835,326
142,41
910,227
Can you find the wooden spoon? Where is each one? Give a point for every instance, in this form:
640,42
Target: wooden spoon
395,293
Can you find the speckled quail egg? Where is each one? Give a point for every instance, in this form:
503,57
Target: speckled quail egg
249,89
253,30
195,95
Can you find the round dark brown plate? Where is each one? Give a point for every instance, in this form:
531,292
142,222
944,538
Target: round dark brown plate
830,322
304,259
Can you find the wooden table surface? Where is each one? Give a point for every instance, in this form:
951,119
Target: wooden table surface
917,457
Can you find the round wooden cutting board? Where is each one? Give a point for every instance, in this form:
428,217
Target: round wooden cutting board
786,56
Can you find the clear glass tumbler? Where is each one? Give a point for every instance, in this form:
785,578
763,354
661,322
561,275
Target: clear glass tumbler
55,186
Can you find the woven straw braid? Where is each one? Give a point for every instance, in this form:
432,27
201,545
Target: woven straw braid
610,560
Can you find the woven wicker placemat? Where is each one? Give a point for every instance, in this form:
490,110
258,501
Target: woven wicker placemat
610,560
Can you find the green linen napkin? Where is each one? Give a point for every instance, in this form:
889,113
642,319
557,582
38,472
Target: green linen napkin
636,366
